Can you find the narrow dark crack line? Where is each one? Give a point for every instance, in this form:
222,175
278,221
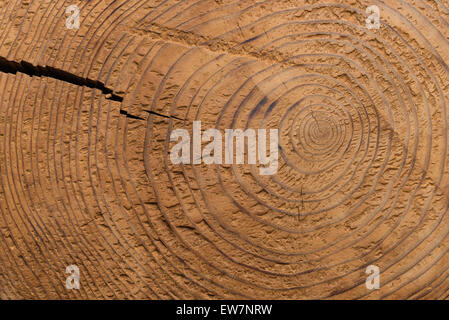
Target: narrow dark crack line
25,67
125,113
163,115
131,116
9,66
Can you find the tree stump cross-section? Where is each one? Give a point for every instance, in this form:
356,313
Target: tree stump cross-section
93,207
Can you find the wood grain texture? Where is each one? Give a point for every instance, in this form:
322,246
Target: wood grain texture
85,171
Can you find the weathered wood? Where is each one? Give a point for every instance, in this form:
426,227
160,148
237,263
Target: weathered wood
86,177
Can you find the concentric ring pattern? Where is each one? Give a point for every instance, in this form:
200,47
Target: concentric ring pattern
362,178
